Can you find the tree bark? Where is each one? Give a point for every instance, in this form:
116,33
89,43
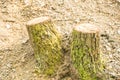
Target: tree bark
46,44
85,51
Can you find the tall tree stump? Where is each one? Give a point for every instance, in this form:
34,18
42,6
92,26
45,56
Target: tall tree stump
46,44
85,52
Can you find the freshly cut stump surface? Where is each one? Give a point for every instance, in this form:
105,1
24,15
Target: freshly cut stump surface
85,53
46,43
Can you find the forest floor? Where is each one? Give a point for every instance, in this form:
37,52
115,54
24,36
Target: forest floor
16,55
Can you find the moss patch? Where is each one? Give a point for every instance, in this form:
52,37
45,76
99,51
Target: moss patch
84,54
47,47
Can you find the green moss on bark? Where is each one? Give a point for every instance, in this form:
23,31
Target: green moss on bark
85,54
47,46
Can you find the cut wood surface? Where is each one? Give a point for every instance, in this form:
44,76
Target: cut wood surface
46,44
86,28
85,51
38,21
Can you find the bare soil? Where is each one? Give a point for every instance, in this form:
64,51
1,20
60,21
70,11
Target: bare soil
16,55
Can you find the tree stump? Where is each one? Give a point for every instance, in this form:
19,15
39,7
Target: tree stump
85,51
46,44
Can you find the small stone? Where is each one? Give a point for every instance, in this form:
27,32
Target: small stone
43,4
110,56
108,48
8,26
4,10
113,75
14,70
77,20
108,44
119,32
25,40
118,50
28,2
8,65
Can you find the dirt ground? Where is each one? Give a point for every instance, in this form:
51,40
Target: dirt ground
16,55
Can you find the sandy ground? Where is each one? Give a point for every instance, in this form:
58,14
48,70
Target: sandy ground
16,55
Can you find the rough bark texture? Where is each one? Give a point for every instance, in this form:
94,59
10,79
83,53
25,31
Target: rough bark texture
46,44
85,52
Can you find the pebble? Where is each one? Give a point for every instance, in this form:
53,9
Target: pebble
25,40
28,2
8,26
108,48
113,74
8,65
118,50
119,32
110,56
14,70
